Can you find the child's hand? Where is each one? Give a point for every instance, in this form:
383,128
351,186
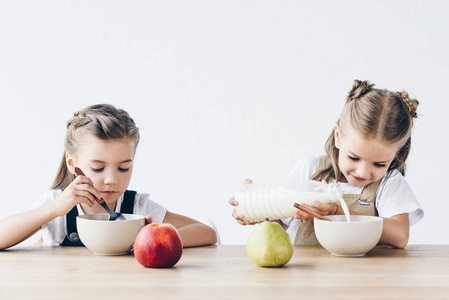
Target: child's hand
81,190
326,208
319,208
148,220
239,218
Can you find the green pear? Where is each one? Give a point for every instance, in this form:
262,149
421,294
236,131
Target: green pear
269,245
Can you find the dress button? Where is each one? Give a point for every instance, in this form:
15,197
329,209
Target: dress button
73,237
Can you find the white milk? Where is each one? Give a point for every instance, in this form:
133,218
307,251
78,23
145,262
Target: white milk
345,208
259,202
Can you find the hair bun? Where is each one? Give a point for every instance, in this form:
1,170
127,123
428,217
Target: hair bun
79,119
412,104
359,89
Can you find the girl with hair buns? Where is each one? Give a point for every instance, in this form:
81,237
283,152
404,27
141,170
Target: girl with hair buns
366,154
101,140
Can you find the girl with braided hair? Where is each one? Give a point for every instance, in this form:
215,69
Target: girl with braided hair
101,140
365,154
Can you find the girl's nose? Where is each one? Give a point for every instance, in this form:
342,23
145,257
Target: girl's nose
110,178
363,171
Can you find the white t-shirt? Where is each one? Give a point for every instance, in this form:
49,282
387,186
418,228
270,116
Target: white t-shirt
54,231
393,196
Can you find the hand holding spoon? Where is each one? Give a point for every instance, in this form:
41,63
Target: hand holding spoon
310,212
112,215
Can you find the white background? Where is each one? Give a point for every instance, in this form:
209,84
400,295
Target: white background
221,90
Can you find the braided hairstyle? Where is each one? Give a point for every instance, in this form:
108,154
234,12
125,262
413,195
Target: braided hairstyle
103,121
374,114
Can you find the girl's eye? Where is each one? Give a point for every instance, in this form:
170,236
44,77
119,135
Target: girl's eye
123,169
380,165
97,170
353,158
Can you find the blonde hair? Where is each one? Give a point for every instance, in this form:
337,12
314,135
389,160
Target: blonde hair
375,114
103,121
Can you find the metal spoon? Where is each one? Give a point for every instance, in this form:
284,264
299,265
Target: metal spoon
112,215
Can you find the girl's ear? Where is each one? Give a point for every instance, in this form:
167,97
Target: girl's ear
70,161
337,136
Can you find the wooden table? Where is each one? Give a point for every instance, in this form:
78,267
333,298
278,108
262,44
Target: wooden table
225,272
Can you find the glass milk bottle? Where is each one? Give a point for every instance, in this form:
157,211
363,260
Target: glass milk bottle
258,202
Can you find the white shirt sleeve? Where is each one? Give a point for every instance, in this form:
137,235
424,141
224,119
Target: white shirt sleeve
53,232
305,168
144,206
394,196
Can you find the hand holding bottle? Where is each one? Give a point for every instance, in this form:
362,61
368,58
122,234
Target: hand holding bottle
256,202
239,218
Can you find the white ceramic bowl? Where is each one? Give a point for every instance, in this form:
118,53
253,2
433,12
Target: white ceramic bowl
353,238
104,237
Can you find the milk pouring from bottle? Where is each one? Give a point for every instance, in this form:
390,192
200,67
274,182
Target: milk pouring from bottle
259,202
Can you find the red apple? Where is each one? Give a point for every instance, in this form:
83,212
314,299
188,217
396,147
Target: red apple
158,246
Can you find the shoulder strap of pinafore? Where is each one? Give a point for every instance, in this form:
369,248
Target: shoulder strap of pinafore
363,203
128,202
72,238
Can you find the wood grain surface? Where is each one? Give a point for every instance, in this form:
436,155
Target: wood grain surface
226,272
